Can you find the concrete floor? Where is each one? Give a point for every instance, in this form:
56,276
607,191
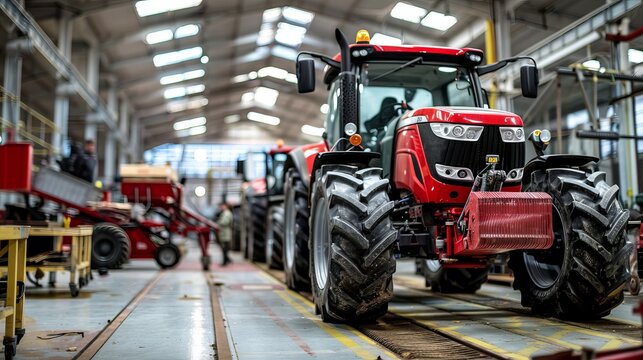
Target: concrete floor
264,320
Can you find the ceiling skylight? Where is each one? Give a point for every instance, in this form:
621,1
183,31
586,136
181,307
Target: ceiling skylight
408,12
159,36
439,21
266,96
189,75
312,130
197,130
381,39
186,30
288,34
271,15
189,123
635,56
178,56
230,119
182,105
297,15
284,52
153,7
263,118
182,91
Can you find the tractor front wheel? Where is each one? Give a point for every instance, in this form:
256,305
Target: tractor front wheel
352,241
583,275
295,248
110,246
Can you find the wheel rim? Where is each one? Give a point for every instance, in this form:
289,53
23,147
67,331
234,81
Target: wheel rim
321,243
103,249
290,229
269,239
544,271
167,256
433,265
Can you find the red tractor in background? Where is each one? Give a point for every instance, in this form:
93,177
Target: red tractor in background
261,213
414,163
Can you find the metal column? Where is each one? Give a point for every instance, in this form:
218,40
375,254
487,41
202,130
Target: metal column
61,102
124,127
627,170
12,82
135,144
502,33
93,73
110,140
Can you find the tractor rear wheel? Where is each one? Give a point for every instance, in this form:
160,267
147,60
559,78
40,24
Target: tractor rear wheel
257,229
352,241
275,237
295,248
110,246
583,275
455,280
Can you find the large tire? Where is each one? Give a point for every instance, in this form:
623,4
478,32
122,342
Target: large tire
110,246
454,280
352,240
583,275
295,250
167,255
275,237
257,230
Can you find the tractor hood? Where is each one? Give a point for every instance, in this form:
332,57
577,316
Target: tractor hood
466,115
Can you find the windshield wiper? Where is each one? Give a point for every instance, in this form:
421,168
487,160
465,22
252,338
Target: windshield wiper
412,62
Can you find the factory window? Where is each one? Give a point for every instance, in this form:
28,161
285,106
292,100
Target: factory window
197,160
638,115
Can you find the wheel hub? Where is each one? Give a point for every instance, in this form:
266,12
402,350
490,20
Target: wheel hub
167,256
322,243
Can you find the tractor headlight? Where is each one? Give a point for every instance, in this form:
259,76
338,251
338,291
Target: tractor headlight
512,134
545,136
457,131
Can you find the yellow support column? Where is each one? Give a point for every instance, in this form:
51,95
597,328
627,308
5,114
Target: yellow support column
490,54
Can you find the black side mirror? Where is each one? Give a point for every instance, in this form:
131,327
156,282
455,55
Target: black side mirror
306,75
529,81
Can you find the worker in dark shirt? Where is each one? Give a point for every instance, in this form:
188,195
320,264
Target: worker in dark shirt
85,164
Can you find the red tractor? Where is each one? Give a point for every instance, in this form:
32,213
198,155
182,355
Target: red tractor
414,163
261,212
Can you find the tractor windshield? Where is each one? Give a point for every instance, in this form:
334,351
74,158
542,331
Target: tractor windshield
384,86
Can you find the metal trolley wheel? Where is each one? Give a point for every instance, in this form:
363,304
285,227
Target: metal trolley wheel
167,255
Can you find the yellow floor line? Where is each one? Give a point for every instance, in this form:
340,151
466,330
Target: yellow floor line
289,297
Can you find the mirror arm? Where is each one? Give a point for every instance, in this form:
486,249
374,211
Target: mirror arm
323,58
485,69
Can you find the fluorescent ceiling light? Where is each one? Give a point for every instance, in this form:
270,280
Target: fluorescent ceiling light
205,59
312,130
381,39
266,36
635,56
439,21
297,15
266,96
262,118
247,97
189,75
178,56
252,75
447,69
284,52
408,12
198,130
592,64
240,78
272,71
324,109
186,30
292,78
231,119
271,15
194,89
159,36
174,92
195,103
288,34
189,123
153,7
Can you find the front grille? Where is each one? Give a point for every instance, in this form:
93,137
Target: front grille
470,154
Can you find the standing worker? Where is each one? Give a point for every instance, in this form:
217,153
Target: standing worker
225,230
85,163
